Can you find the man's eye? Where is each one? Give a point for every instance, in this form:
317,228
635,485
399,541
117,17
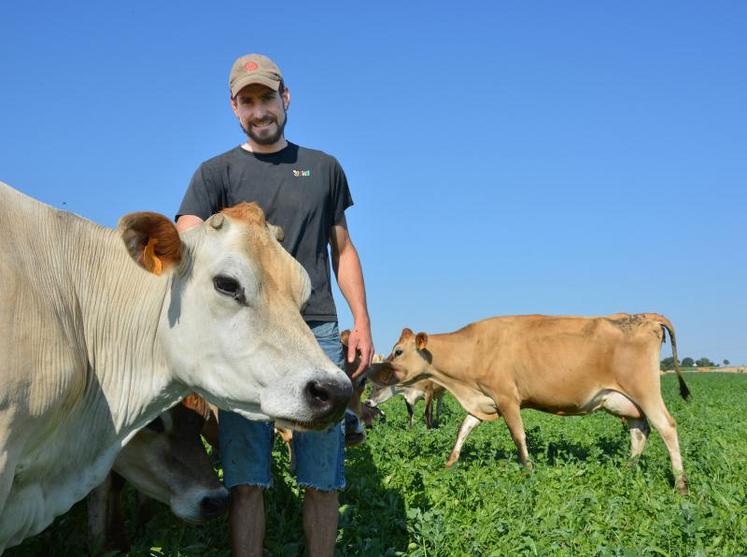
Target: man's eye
229,286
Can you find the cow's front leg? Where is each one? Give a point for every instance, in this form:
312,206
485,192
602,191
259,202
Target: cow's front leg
410,413
512,415
469,423
428,410
439,408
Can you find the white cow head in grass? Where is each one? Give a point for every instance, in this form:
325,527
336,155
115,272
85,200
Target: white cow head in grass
231,326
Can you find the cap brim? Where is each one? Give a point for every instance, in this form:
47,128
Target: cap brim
252,79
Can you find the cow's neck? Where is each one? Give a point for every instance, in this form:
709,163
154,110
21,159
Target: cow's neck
452,367
448,356
119,306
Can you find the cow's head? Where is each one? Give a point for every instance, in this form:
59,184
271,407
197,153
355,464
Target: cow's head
407,363
167,462
231,326
353,435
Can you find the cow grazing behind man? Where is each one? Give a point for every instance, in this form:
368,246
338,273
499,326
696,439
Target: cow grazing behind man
102,330
424,389
558,364
165,461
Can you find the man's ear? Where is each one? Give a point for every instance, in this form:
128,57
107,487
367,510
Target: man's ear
152,241
421,340
285,96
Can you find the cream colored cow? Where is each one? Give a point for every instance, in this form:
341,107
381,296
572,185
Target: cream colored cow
93,346
563,365
427,389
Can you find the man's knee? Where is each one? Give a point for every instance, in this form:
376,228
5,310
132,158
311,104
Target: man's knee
246,495
320,497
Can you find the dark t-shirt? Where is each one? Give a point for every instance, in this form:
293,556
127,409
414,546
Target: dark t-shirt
302,190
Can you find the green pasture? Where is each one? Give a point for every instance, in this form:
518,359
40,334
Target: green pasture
582,498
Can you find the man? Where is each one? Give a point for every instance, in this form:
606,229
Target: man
306,193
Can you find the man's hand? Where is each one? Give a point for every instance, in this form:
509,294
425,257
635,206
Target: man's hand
360,340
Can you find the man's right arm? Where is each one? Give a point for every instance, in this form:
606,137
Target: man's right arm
202,199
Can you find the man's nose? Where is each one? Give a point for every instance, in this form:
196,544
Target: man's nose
259,112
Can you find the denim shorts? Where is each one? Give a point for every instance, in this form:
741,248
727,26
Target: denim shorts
246,446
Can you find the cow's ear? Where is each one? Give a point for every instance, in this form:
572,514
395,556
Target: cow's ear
198,404
421,340
345,336
152,241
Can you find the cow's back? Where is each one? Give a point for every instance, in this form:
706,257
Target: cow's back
551,358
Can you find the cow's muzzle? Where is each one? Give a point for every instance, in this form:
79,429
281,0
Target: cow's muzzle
328,399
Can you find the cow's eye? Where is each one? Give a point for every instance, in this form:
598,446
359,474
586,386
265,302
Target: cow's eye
229,286
397,352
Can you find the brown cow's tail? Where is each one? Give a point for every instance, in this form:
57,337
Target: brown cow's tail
666,324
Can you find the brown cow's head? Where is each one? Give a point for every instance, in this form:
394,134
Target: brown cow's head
167,461
407,363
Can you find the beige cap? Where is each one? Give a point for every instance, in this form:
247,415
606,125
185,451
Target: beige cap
254,68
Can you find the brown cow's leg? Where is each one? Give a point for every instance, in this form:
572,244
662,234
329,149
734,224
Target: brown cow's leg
410,413
647,396
639,431
664,423
469,423
512,415
428,410
621,405
439,407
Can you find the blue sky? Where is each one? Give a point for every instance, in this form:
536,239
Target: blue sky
505,158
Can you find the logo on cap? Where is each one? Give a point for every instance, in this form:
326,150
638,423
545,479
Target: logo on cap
250,66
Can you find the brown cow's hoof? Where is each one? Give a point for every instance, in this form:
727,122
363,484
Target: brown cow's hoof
681,485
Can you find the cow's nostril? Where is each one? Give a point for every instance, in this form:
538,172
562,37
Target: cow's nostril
328,399
213,505
318,392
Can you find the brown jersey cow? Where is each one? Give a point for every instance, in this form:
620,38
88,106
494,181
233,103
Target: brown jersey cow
558,364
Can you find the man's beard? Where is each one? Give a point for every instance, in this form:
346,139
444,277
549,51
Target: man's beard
267,139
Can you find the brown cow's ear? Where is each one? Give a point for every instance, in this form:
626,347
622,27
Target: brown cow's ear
421,340
152,241
198,404
345,336
406,333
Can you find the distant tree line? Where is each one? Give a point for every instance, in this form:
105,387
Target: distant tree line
668,363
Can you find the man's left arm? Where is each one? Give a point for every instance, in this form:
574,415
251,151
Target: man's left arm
347,267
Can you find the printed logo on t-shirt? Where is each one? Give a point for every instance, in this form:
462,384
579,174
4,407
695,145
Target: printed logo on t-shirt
298,173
